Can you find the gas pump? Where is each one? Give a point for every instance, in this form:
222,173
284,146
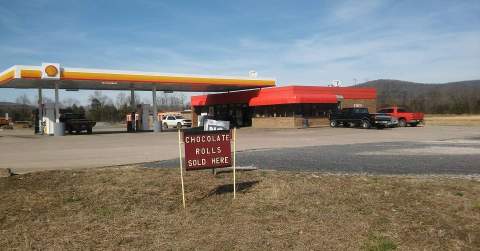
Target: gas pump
39,124
139,120
130,122
138,123
48,120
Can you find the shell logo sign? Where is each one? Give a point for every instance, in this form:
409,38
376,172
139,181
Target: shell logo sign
50,71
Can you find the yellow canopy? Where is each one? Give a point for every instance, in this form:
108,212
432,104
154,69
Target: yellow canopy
48,75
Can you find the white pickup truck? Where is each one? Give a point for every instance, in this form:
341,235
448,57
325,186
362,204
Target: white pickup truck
171,121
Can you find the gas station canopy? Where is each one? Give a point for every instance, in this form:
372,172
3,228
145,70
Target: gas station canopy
22,76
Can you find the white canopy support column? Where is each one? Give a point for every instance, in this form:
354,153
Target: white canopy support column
40,97
133,111
59,129
132,100
57,104
40,111
156,125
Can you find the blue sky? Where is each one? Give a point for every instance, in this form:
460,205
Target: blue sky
296,42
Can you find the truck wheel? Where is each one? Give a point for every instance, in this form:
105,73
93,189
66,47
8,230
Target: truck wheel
179,125
365,124
89,130
333,123
165,125
402,123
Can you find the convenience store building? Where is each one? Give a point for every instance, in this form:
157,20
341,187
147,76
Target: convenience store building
281,107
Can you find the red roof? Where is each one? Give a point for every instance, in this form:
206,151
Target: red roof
286,95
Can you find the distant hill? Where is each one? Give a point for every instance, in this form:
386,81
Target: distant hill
12,105
8,104
454,97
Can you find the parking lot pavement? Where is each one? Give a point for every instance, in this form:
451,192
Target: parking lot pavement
299,149
433,157
458,157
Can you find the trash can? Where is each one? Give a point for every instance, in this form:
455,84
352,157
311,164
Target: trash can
156,126
305,123
129,126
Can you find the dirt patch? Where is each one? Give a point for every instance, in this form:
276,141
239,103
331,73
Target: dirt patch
5,172
136,208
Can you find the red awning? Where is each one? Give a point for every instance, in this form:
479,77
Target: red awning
286,95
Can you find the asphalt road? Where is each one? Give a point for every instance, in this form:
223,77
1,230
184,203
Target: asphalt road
441,149
451,156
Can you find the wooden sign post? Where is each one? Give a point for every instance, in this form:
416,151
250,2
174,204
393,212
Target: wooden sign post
234,153
207,150
181,165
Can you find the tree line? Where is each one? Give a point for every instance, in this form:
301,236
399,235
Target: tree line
449,98
100,107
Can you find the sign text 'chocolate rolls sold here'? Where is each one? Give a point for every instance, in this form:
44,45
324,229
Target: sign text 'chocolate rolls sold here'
207,149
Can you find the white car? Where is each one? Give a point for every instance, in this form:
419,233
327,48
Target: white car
171,121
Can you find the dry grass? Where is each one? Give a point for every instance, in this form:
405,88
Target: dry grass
134,208
454,120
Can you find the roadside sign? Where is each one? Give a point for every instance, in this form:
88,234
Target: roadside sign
207,149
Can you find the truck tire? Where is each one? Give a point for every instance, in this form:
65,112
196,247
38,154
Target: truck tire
179,125
365,124
402,123
165,125
333,123
89,130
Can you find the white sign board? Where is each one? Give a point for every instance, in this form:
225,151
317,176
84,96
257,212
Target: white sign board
215,125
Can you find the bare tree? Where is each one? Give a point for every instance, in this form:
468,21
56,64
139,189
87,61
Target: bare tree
25,112
69,102
23,100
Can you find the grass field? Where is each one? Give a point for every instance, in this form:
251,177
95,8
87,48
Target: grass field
134,208
454,120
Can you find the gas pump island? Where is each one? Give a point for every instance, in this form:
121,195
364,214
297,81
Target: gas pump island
54,76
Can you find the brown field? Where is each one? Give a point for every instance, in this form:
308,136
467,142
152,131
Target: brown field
133,208
453,120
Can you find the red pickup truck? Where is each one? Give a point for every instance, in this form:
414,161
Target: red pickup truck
404,117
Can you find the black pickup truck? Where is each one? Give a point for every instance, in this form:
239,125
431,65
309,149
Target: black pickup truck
361,117
77,122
